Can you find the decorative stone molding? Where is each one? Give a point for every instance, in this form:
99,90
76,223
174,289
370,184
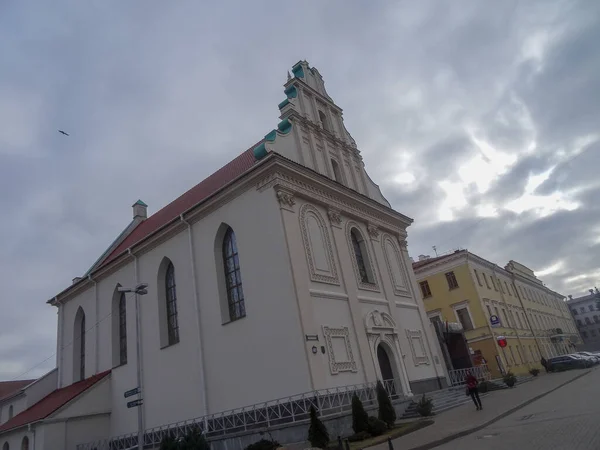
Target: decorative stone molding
330,276
335,216
378,322
373,231
339,363
396,267
285,198
369,260
404,245
417,347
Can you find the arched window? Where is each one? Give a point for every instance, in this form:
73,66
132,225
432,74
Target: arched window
25,443
171,295
337,174
361,257
324,121
588,321
5,446
596,318
11,412
233,278
79,346
119,328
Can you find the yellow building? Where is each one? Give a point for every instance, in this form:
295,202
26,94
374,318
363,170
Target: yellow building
465,288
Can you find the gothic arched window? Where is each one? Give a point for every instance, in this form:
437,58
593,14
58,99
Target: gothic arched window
171,296
361,256
233,278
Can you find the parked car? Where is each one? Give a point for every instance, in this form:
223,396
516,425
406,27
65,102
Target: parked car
592,356
567,362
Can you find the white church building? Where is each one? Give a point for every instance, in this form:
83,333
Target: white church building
284,272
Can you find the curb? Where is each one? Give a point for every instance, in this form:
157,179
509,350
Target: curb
463,433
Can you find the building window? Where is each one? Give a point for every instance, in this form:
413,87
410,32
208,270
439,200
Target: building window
487,283
579,322
500,284
505,317
478,279
122,329
584,334
5,446
337,173
171,297
79,346
233,277
464,318
593,333
494,283
507,288
519,324
425,290
588,321
497,313
324,121
451,279
25,443
591,307
10,412
574,311
582,309
596,318
489,310
360,254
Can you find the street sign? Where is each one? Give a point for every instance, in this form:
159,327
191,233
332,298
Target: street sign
495,321
134,403
131,392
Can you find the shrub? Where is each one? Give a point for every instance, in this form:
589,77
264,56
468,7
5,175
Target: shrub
377,427
169,443
534,372
425,406
359,436
317,433
509,379
264,444
360,419
194,440
483,387
387,413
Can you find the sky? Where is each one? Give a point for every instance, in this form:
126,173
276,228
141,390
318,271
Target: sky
479,120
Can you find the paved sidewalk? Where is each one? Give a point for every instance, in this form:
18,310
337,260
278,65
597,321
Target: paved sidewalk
465,419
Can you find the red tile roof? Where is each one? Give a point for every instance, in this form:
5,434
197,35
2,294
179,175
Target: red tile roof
11,387
197,194
52,402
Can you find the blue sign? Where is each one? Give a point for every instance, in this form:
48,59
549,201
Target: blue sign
495,321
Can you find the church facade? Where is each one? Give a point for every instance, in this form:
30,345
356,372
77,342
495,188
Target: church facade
284,272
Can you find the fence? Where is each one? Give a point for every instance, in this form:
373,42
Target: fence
457,376
327,402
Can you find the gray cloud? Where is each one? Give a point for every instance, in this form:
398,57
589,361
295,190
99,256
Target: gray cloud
157,98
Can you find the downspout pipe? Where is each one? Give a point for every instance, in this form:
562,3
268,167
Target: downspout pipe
198,315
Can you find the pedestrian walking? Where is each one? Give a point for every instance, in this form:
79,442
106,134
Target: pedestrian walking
473,390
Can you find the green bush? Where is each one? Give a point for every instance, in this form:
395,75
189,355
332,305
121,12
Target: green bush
386,413
360,418
509,379
169,443
425,406
317,432
264,444
377,427
194,440
534,372
359,436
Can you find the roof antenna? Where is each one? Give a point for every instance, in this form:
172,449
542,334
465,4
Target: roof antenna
435,250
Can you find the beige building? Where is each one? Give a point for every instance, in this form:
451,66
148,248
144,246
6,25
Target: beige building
465,288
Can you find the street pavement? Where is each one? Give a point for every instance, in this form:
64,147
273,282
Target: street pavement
464,419
566,419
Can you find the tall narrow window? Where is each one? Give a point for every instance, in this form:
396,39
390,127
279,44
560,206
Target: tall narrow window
478,279
122,329
233,277
337,174
25,443
5,446
360,255
79,346
486,280
10,412
172,323
464,318
425,289
451,279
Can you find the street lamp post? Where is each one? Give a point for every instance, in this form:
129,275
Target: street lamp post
140,289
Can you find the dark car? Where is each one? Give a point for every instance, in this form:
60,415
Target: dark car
568,362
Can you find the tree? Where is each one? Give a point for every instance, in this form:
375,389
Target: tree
317,432
360,418
194,440
387,413
169,443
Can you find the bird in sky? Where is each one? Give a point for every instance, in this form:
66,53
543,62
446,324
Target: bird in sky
62,132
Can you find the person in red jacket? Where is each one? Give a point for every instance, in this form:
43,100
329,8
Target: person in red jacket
473,390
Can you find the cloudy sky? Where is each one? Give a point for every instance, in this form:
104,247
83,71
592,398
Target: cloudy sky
480,120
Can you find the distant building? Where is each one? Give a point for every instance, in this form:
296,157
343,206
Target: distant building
463,287
587,317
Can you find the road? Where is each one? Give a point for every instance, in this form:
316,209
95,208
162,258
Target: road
566,419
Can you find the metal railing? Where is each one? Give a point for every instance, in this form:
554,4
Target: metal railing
457,376
327,402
